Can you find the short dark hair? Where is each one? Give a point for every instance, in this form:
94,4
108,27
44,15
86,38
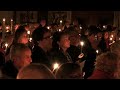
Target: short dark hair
38,34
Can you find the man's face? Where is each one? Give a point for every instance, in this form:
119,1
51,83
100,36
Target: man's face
23,38
24,58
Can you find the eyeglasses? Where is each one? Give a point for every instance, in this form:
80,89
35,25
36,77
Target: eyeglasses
48,37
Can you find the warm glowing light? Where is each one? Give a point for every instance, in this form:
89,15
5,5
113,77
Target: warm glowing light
80,27
112,36
60,30
60,21
81,43
111,39
97,51
55,66
4,19
104,26
48,27
11,20
28,32
7,27
30,39
6,45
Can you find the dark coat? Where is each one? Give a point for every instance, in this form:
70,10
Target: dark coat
39,56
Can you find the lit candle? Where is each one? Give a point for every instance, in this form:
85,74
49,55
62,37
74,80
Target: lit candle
6,46
97,51
119,38
80,27
104,26
30,39
28,32
112,36
110,39
11,25
55,66
59,30
60,21
48,27
81,43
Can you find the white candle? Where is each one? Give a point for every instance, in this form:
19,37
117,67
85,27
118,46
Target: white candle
30,39
6,46
81,43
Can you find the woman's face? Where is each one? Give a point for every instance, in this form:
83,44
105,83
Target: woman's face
23,38
64,41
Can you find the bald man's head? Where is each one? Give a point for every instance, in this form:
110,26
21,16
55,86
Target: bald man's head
35,71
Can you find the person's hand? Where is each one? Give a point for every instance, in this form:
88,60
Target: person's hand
81,55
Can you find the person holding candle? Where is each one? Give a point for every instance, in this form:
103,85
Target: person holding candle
89,53
19,37
59,52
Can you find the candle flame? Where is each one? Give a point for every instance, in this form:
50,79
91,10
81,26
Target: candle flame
81,43
60,21
97,51
6,45
3,19
55,66
28,32
11,20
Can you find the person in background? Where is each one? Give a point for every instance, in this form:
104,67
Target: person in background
105,67
20,56
42,39
69,71
35,71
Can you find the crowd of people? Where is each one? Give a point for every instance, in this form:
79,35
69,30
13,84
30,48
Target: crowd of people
64,51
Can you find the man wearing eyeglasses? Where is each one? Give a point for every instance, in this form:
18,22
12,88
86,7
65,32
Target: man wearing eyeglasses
42,44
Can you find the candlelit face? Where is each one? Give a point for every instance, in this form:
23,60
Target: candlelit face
23,38
43,23
106,35
24,58
64,41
